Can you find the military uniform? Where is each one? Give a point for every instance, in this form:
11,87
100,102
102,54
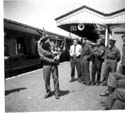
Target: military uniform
118,79
116,100
115,80
112,57
122,66
85,57
97,60
49,67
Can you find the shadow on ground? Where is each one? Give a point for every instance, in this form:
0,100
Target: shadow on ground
7,92
62,92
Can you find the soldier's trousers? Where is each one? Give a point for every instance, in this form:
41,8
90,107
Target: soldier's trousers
85,73
96,69
110,66
47,71
75,63
116,100
114,82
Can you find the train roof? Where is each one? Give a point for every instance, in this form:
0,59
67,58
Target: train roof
20,27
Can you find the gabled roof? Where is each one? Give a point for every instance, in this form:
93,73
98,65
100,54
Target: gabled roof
90,15
91,9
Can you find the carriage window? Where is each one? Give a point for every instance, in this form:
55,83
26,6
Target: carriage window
20,46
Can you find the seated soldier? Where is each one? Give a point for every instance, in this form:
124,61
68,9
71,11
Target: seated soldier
115,80
116,100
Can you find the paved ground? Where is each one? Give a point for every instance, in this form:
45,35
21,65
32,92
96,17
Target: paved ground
26,92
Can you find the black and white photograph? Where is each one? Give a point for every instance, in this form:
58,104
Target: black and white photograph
63,55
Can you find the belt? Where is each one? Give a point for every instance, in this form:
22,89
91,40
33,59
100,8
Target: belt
111,58
76,56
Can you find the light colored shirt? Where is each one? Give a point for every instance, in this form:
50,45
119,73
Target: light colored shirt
75,50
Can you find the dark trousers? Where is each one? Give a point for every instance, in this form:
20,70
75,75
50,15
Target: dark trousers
96,69
75,62
110,66
47,71
85,73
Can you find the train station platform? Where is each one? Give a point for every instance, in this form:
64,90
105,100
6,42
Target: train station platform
25,93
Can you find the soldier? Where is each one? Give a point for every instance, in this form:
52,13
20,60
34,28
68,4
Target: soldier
75,53
122,67
49,66
112,56
116,79
97,60
85,57
116,100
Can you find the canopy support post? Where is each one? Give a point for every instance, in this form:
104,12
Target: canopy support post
106,35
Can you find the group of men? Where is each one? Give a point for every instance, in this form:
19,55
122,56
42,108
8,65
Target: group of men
80,56
116,86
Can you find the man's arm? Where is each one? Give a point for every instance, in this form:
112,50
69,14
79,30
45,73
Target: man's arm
101,51
118,55
43,56
91,51
45,52
70,51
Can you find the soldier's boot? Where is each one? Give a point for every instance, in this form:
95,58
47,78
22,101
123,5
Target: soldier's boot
48,94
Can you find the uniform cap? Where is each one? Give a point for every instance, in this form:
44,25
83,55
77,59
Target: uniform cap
123,36
112,40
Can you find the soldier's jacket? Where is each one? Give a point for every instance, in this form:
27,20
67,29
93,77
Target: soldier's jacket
113,53
44,52
98,52
123,55
86,51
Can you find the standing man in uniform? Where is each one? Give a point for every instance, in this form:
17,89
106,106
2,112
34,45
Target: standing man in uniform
49,66
97,60
116,100
112,56
116,80
75,53
85,58
122,66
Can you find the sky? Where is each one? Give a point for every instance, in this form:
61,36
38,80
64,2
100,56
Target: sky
42,13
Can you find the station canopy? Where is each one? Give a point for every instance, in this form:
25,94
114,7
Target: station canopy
93,21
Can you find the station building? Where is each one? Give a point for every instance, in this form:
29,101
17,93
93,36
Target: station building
93,24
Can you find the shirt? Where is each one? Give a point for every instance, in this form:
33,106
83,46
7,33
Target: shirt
86,49
75,50
123,55
98,52
44,52
113,53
